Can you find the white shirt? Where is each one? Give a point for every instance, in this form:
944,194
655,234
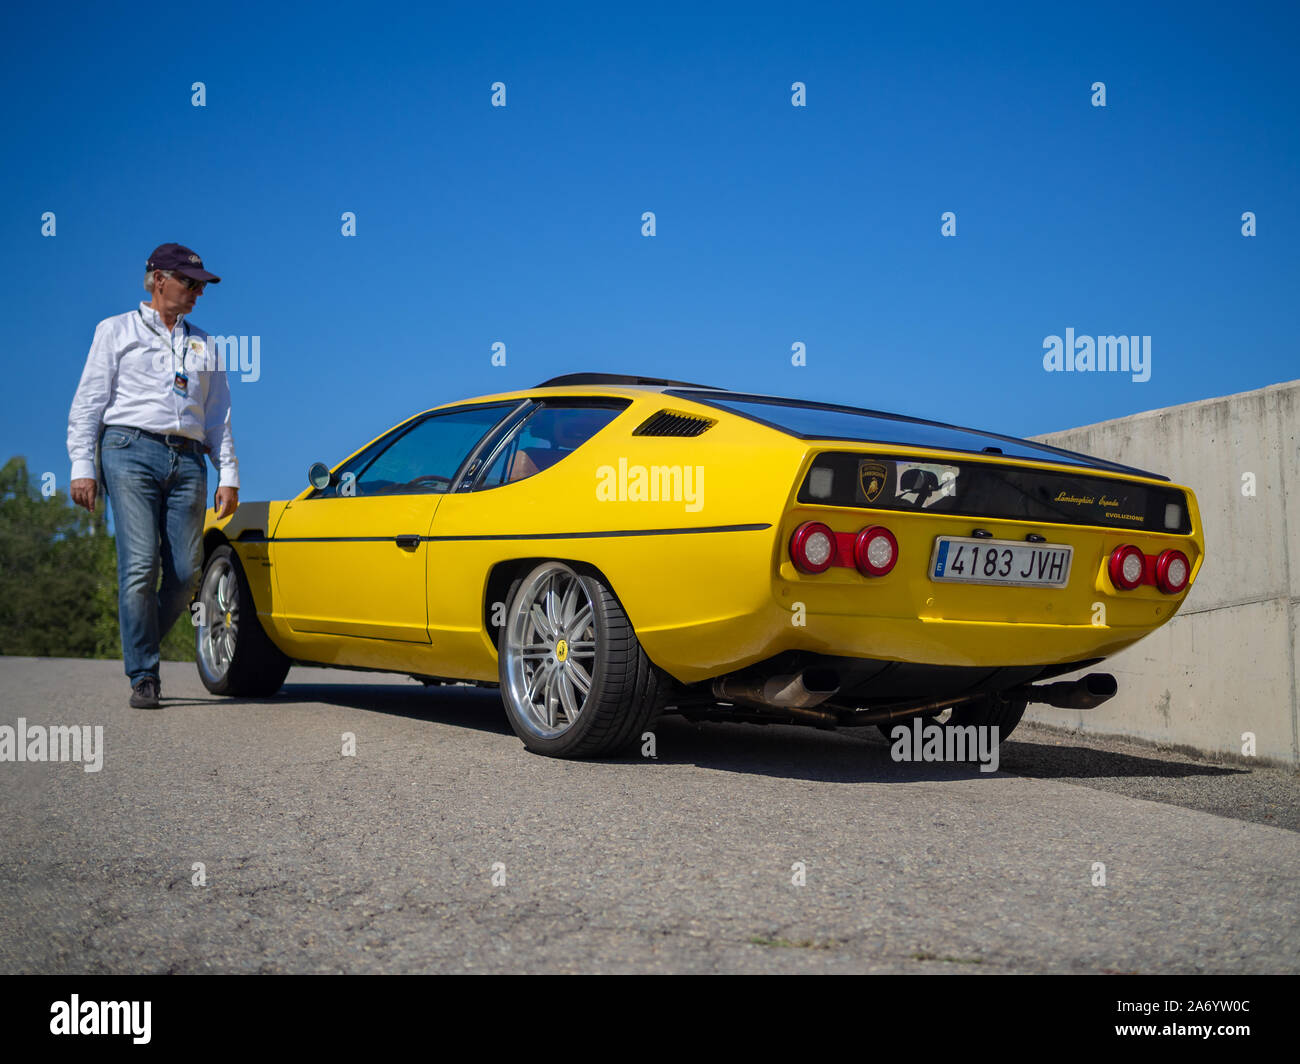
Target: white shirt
128,381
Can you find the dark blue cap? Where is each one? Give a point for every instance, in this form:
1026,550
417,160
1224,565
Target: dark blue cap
180,259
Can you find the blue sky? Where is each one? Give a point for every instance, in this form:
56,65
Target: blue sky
775,224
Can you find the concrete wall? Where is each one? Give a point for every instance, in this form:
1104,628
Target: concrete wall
1227,663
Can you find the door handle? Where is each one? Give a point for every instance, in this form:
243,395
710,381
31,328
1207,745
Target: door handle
408,542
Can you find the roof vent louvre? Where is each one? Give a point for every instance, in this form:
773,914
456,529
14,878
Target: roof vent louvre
671,423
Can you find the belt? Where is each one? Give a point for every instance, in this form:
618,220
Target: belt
177,443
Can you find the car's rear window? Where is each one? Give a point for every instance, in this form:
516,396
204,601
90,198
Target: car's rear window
825,421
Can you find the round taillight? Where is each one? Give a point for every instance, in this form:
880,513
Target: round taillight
875,550
1127,565
812,547
1172,571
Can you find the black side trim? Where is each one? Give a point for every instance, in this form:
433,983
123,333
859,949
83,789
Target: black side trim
609,535
522,535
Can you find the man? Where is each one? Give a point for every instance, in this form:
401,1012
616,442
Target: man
152,399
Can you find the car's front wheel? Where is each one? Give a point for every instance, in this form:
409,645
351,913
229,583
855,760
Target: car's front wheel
574,679
234,655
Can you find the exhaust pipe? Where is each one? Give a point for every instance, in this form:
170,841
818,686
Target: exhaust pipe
1088,693
801,690
797,694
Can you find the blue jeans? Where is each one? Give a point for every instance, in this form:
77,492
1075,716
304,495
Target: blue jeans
158,496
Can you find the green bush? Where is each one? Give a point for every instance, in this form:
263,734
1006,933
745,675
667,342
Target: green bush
58,577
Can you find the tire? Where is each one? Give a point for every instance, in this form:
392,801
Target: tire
233,653
574,679
989,711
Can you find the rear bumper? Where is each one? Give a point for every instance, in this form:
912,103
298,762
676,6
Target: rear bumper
966,644
698,652
906,617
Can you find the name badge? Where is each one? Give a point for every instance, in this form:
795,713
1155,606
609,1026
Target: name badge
181,385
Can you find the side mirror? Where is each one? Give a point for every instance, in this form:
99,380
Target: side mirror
319,476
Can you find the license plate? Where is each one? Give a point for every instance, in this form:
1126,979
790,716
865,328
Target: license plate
1010,562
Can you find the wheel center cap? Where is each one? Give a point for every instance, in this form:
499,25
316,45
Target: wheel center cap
228,619
561,650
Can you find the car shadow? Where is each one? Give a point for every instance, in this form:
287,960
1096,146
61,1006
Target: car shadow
461,707
861,755
797,753
1052,761
847,755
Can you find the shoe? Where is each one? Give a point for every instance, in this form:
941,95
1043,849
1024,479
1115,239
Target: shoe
144,694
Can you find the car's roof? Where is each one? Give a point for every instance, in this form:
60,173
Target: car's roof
650,384
810,419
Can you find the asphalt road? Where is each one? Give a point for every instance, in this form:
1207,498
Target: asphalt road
383,861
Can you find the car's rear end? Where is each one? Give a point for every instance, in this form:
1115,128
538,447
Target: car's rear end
920,563
983,561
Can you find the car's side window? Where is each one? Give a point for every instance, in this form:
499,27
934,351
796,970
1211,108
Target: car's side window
555,429
422,460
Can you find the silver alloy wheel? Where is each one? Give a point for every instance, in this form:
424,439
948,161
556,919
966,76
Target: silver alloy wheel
218,638
549,648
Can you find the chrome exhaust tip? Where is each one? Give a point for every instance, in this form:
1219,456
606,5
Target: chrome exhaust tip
1087,693
800,690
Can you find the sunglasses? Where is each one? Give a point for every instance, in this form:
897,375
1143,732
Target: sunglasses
189,282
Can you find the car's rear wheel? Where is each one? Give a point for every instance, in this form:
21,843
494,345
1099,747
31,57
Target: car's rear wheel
234,654
574,679
992,711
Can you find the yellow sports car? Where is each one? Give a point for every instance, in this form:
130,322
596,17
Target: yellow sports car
606,548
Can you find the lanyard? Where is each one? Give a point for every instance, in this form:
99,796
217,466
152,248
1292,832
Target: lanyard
170,344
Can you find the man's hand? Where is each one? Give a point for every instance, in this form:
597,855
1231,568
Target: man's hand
83,493
227,502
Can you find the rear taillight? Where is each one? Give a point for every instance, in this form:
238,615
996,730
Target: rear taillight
1127,567
1130,568
1172,571
812,547
875,550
